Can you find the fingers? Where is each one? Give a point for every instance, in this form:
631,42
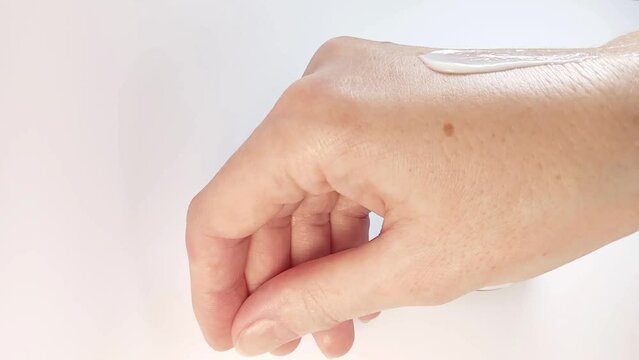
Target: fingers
311,230
350,224
269,252
320,294
249,190
337,340
217,295
311,239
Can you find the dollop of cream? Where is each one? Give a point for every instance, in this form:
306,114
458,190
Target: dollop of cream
451,61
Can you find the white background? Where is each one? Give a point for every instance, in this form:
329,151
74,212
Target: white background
114,113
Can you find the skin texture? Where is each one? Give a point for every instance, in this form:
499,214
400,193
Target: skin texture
481,179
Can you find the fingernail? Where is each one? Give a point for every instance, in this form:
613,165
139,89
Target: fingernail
263,336
368,318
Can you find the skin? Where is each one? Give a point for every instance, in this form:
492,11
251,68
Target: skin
481,179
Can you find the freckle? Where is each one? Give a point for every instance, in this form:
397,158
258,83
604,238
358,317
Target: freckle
558,177
492,135
449,129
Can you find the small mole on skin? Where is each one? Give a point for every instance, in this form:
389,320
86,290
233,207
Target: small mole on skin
449,129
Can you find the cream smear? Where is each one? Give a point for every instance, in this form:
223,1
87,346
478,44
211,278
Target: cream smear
482,61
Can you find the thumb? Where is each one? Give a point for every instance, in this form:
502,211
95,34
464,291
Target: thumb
320,294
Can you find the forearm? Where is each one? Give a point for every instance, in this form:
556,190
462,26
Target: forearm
615,121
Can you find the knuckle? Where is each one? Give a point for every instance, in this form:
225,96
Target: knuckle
337,44
195,215
309,91
193,209
321,98
321,114
316,107
333,49
351,209
191,247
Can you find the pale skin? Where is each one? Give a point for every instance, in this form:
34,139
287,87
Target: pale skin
481,180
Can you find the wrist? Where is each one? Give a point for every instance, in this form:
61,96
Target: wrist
614,121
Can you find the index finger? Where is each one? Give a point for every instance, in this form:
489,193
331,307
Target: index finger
250,189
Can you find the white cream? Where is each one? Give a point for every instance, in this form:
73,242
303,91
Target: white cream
482,61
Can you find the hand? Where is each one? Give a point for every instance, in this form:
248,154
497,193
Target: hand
481,180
